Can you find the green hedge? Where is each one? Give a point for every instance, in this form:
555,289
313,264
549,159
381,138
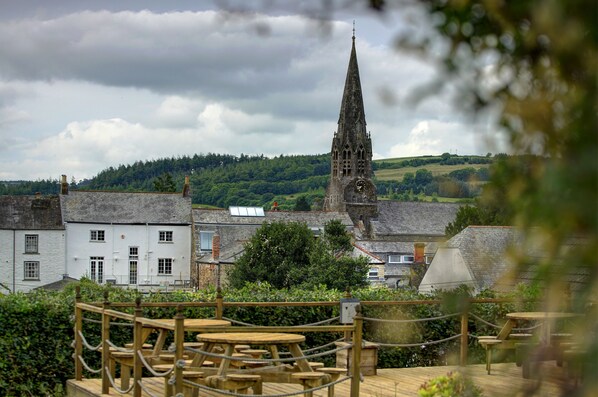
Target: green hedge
36,329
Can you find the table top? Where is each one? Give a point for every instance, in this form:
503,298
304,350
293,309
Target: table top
540,315
270,338
189,323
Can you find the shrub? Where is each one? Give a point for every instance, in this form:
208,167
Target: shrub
453,384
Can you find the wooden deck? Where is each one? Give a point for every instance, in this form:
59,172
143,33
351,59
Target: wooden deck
506,380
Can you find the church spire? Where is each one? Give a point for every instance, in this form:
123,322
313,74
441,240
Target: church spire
351,187
351,121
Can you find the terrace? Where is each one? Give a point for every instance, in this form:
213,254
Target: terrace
194,369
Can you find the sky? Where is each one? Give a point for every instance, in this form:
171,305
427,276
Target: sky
86,85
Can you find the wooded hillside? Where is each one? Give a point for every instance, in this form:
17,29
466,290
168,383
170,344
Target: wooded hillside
223,180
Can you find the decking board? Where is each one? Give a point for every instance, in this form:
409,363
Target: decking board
505,380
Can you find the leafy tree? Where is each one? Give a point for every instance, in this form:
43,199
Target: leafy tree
165,183
277,253
301,204
286,254
336,236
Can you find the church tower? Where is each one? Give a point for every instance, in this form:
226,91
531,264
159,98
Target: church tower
351,188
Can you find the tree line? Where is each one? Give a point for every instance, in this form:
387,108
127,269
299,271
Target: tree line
222,180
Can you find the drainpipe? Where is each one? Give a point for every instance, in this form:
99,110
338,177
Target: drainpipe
14,260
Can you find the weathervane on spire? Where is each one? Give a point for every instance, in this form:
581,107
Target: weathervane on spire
353,29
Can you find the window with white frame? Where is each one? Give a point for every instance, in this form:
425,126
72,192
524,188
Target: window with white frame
31,243
165,236
96,269
205,241
400,259
31,269
373,273
164,266
133,262
96,235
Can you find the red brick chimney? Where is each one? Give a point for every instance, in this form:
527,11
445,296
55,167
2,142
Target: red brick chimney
418,253
64,186
216,247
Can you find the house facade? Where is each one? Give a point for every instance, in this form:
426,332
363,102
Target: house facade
142,240
32,242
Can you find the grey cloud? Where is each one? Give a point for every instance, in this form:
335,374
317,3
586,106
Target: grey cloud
197,52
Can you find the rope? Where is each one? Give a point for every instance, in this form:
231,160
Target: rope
381,320
93,371
301,392
419,344
270,360
327,321
87,345
500,326
151,369
89,320
238,322
111,379
140,383
117,348
323,346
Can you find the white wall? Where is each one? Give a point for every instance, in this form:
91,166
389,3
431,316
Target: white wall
115,250
50,256
447,271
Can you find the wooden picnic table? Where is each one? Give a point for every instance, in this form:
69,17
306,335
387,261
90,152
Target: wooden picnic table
545,347
163,326
547,319
270,340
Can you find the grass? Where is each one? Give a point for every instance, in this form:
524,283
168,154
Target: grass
435,169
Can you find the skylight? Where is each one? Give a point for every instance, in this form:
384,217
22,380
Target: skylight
246,211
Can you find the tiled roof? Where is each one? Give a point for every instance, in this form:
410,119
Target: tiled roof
483,249
30,213
413,218
311,218
126,208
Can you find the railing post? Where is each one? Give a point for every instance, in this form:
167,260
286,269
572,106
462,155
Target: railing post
357,341
464,337
347,295
105,346
219,304
137,346
179,338
78,329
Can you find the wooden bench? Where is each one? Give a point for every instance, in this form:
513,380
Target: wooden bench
238,383
334,374
491,343
191,375
310,380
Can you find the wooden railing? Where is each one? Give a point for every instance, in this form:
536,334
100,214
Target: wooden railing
107,313
352,332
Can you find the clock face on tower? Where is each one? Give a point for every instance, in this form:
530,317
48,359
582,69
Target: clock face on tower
360,186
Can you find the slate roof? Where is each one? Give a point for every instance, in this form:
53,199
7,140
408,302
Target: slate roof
30,213
413,218
311,218
58,285
126,208
483,249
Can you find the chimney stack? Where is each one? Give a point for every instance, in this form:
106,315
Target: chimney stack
186,187
216,247
64,186
418,253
